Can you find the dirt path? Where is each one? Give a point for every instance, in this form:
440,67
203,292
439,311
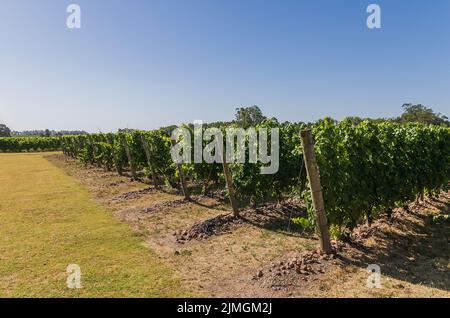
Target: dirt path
48,222
249,259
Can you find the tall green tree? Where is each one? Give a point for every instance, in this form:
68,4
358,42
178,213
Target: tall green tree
4,131
249,116
422,114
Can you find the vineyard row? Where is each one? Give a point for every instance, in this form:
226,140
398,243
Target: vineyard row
365,168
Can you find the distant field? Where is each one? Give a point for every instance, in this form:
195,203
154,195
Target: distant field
48,221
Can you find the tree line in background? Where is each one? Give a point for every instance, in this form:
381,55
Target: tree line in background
6,132
412,113
46,133
251,116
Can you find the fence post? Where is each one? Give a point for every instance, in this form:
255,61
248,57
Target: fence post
130,159
229,182
96,150
149,161
75,148
316,190
182,177
90,146
111,141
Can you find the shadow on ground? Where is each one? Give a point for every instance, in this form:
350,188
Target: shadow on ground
412,247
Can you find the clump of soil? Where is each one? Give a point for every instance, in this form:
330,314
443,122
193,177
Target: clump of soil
138,213
220,195
116,183
364,231
133,194
214,226
270,214
275,215
294,267
165,205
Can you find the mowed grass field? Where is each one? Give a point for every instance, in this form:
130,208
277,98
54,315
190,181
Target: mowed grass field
48,221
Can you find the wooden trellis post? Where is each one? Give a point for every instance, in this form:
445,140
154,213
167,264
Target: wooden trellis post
128,152
92,150
75,148
316,190
182,177
97,149
102,149
229,181
149,161
110,140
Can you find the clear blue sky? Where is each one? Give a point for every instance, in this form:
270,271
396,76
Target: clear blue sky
144,64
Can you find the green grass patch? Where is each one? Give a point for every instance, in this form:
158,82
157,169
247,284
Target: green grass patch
48,221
